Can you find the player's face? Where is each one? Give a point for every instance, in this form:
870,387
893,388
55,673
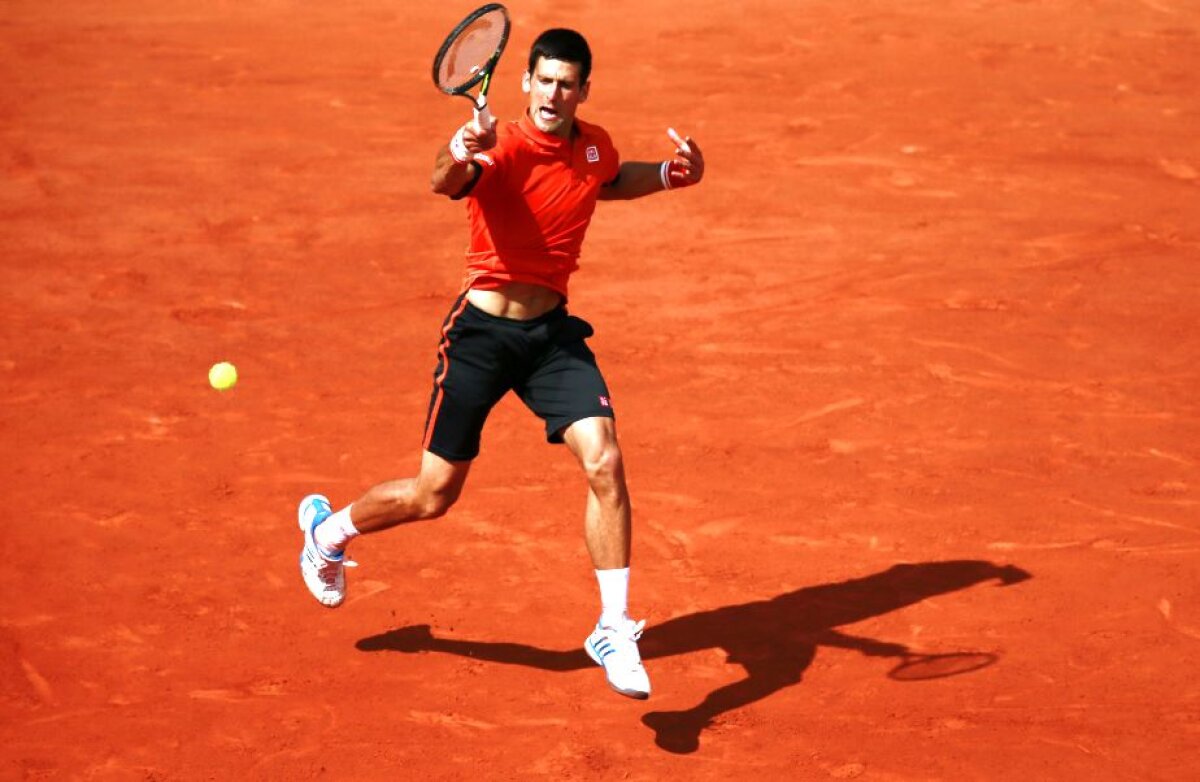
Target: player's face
555,92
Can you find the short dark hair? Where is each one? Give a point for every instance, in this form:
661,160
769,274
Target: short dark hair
562,44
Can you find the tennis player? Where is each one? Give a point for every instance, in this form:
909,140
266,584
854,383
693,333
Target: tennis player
530,188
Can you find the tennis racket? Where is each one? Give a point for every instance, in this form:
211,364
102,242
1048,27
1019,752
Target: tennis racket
469,55
917,667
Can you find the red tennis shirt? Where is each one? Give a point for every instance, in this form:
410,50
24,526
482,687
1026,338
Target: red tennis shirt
532,202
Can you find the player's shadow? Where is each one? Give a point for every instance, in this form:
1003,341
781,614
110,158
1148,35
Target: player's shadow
773,640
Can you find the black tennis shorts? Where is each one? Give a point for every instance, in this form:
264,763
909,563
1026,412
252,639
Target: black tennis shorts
482,357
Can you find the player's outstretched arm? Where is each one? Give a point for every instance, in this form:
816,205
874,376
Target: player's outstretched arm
636,179
453,167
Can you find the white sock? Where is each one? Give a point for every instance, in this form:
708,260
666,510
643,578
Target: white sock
335,532
614,596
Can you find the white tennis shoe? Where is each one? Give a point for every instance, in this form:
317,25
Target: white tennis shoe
325,576
615,649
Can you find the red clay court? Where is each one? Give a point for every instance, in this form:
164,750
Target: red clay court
914,371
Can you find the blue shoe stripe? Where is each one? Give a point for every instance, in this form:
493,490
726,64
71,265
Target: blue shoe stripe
321,511
602,648
318,519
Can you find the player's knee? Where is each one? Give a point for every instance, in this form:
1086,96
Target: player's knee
437,503
604,465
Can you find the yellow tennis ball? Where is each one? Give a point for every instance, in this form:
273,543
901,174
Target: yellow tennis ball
222,376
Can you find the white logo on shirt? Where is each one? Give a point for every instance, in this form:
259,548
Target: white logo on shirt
593,154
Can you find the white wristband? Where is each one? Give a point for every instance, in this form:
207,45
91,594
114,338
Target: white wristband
458,149
662,174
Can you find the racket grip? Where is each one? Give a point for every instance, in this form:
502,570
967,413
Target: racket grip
483,115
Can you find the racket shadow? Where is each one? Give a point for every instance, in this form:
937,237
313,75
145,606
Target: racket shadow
773,640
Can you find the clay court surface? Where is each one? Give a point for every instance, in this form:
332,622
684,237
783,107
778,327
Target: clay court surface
914,370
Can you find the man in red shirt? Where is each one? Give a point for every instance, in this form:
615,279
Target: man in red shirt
531,187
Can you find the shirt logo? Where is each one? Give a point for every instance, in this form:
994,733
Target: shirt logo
593,155
604,402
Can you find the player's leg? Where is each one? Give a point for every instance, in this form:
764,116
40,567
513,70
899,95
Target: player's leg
607,521
568,391
468,381
470,377
428,495
613,643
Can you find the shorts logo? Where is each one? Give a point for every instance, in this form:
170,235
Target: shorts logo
593,154
604,402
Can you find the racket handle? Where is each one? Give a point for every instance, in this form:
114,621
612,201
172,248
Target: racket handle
483,115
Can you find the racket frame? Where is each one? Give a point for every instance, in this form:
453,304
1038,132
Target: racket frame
484,75
969,663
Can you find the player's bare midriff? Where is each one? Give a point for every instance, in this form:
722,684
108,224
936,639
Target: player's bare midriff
515,300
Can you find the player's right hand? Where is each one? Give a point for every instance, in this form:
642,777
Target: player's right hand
472,138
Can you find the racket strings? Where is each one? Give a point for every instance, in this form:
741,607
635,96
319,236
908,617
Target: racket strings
471,50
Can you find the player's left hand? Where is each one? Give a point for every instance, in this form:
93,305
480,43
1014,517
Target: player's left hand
687,167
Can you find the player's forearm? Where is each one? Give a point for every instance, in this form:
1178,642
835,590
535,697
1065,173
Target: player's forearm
449,175
636,179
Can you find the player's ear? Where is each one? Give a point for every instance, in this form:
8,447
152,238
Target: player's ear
584,90
525,82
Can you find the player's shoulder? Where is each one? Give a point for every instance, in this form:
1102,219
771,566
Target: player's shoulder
599,149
